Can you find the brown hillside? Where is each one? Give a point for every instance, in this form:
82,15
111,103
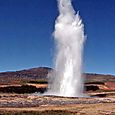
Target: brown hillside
32,76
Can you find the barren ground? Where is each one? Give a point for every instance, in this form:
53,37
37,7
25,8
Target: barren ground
16,98
13,104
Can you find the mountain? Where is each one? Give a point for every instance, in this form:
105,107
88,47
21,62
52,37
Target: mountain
36,76
24,75
33,74
99,77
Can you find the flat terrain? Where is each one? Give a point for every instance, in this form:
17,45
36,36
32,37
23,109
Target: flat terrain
35,104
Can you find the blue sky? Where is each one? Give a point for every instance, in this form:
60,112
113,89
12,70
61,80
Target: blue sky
26,28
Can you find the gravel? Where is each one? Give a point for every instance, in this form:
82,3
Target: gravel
35,100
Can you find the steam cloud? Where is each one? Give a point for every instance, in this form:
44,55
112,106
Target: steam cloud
69,37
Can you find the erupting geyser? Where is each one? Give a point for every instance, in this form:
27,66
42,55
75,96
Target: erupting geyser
69,37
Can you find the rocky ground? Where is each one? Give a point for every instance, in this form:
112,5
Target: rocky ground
47,105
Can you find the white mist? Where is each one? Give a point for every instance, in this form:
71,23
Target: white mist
67,79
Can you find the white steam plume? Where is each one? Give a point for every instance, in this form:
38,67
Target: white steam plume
69,36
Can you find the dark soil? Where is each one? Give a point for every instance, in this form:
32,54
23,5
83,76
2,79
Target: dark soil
22,89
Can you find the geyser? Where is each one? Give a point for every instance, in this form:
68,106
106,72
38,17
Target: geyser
67,79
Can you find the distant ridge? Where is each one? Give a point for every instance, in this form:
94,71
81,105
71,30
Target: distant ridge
32,72
41,73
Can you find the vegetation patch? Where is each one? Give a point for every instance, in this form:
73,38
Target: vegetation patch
91,88
98,83
40,81
47,112
21,89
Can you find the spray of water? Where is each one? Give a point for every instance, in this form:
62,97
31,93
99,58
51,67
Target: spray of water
67,79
